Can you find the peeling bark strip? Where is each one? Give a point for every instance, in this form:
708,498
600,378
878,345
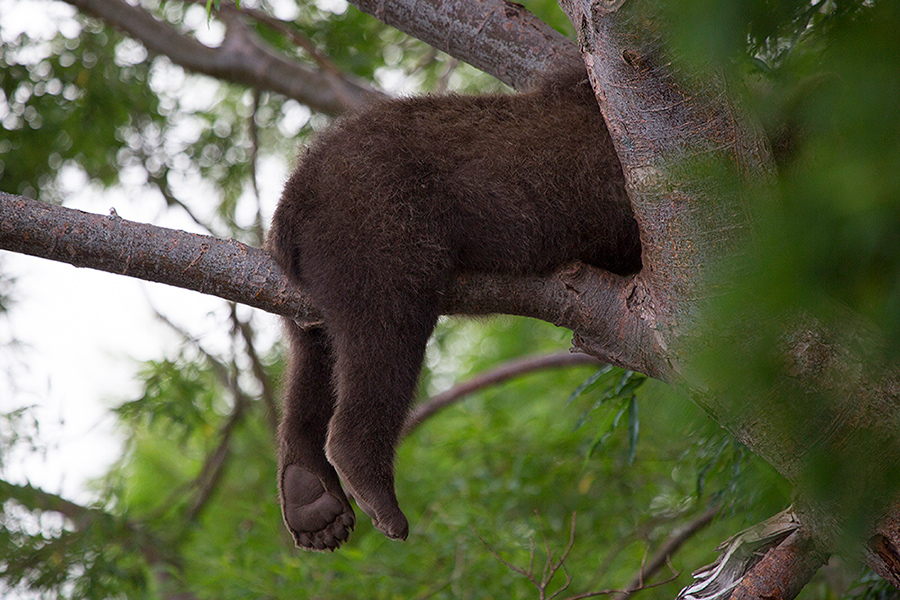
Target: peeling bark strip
784,570
883,549
224,268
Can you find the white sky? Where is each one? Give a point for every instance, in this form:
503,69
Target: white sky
84,332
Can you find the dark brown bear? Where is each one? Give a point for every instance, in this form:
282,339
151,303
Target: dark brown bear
383,211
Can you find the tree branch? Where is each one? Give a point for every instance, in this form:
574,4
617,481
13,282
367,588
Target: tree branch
783,571
668,548
671,133
204,485
497,375
496,36
572,297
655,122
659,124
223,268
260,372
499,37
552,566
285,29
242,58
213,468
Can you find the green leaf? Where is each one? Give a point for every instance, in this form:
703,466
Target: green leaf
591,383
633,427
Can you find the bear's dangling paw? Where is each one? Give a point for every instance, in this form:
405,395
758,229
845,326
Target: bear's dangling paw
317,519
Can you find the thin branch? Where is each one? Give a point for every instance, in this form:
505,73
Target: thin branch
551,566
210,474
253,126
523,572
496,36
220,370
668,548
444,81
594,594
172,200
497,375
214,466
554,567
285,29
640,532
259,372
224,268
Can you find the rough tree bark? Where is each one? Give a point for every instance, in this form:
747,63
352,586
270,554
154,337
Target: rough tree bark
642,322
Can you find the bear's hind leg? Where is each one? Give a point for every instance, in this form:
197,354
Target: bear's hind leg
377,364
315,508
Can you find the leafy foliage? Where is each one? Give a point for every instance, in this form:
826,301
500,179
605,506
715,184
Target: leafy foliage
52,90
621,393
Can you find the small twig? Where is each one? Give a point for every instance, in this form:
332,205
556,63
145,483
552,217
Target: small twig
551,566
531,555
217,366
214,466
172,200
562,560
444,81
328,68
285,29
519,570
672,578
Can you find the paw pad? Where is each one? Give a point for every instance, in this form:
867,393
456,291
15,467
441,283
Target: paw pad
317,519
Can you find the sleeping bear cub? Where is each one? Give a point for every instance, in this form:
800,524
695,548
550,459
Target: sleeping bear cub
385,209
